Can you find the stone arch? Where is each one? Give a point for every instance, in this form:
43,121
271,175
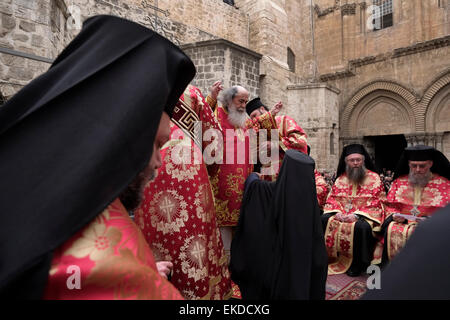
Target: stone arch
375,97
436,105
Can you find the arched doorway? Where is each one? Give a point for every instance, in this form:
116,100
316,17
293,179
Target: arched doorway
437,116
379,120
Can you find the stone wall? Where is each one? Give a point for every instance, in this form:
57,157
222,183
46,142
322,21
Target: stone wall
33,32
270,36
385,76
329,38
224,61
315,107
393,95
211,16
41,29
342,34
144,12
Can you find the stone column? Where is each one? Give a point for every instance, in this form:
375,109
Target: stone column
315,107
223,60
269,36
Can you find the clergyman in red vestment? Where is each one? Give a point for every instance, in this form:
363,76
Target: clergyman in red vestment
420,188
228,178
352,212
177,215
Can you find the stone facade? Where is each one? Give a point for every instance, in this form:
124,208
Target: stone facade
350,83
35,32
318,105
224,61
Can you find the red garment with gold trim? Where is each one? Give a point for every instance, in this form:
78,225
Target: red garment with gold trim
422,202
113,261
228,181
292,136
364,200
178,220
322,188
178,217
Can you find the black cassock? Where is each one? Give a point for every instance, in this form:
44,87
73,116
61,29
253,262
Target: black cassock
278,250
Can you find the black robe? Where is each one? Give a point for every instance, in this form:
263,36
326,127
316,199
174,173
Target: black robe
74,138
278,251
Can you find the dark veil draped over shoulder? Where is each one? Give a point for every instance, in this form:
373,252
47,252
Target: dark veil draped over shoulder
74,138
278,251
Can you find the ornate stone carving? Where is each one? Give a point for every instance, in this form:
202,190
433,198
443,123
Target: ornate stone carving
430,139
392,87
417,48
348,9
422,46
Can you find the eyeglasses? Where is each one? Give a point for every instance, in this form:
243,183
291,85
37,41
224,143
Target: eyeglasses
356,160
418,166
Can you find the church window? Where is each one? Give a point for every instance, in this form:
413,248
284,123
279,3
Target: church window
383,17
230,2
332,143
291,59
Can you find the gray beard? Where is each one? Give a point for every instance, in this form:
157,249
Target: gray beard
356,175
418,179
236,118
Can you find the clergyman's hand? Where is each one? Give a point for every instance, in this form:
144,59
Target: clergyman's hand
215,89
398,219
276,108
164,268
339,217
350,218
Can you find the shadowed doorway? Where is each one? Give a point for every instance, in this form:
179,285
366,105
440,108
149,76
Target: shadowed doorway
388,150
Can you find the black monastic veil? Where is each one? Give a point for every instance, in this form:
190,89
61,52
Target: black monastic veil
278,251
75,137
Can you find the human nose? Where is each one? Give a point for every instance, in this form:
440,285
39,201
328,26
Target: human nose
158,160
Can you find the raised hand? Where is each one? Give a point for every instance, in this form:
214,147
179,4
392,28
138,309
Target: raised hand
276,108
215,89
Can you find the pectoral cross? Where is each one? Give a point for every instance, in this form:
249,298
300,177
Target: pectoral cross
415,211
348,206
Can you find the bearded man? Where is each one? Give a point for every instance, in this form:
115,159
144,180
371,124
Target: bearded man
353,210
229,175
420,188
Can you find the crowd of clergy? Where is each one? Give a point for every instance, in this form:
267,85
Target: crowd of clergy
110,192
